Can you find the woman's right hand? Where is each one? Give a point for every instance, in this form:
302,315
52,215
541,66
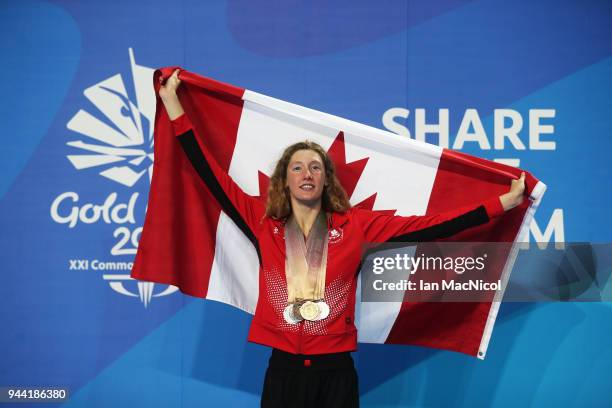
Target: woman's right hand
167,93
168,90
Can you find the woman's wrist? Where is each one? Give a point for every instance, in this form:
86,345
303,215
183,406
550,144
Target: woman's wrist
515,196
510,200
173,106
169,96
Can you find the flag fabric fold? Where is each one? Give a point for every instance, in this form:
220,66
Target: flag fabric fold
188,241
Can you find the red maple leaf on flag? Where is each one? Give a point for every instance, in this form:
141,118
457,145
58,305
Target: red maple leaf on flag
348,174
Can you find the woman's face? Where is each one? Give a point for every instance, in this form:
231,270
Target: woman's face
306,176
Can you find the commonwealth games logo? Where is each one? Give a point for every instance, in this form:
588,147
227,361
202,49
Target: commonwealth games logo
120,145
116,142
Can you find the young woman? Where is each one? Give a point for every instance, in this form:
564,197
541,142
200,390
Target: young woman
309,239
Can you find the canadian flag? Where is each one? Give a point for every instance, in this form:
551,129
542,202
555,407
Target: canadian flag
188,241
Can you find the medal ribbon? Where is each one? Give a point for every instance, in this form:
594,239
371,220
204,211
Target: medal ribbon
306,262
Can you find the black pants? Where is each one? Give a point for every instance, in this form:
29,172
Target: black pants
300,381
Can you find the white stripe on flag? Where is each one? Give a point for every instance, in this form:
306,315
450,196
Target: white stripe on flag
375,319
234,274
522,236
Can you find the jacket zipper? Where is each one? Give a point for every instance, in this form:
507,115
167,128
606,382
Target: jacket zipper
300,337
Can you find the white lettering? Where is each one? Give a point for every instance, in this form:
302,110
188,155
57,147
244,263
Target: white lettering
393,126
536,129
501,132
507,126
90,213
72,217
471,119
441,128
555,227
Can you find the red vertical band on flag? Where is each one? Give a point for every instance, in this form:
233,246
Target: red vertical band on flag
183,212
461,180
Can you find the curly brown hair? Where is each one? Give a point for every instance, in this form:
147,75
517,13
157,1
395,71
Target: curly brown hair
334,197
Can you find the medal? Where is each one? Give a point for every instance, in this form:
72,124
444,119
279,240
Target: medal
310,310
324,310
290,316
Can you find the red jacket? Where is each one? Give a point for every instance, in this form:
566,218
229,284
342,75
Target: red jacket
348,233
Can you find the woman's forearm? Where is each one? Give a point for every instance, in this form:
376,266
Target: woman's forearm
510,200
173,105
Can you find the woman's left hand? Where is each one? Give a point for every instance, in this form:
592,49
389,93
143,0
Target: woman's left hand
515,196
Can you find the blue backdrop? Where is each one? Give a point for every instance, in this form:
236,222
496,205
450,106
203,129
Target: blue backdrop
525,82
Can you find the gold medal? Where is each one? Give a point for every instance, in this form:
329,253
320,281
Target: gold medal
310,310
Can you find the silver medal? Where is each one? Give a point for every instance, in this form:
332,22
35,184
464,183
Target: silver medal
323,310
289,316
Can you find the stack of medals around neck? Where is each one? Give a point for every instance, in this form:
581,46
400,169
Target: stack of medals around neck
305,267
